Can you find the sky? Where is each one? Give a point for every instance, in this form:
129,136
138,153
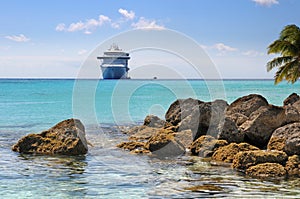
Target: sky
53,39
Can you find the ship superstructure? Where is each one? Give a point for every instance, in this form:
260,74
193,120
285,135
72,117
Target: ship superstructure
114,63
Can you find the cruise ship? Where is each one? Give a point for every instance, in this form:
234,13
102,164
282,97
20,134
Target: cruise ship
114,63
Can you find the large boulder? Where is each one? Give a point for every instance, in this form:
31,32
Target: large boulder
291,99
262,122
266,170
228,130
246,105
65,138
205,118
287,139
244,160
180,109
227,153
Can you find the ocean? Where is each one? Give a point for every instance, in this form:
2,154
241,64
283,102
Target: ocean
33,105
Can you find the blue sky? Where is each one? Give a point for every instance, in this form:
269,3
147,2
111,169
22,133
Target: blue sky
53,38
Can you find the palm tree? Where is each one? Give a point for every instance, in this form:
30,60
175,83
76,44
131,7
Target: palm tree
288,45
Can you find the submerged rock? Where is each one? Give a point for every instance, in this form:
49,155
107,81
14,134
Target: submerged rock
287,139
246,159
266,170
65,138
227,153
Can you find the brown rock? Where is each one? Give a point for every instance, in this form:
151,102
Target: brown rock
206,145
65,138
293,166
142,133
134,147
246,105
262,122
266,170
227,153
179,109
238,118
185,137
244,160
154,121
286,138
229,131
163,144
291,99
205,118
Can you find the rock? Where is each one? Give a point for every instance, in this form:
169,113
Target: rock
297,105
154,121
179,109
292,166
164,144
206,145
238,118
229,131
205,118
291,99
246,105
184,137
286,138
266,170
142,133
134,147
227,153
262,122
244,160
65,138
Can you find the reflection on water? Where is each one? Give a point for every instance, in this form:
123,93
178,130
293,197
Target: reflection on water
108,172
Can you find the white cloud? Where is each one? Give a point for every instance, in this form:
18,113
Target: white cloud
128,15
147,24
87,26
60,27
18,38
253,53
266,2
224,48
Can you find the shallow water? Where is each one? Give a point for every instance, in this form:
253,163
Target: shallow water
106,171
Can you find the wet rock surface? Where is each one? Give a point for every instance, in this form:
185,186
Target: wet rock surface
237,134
266,170
65,138
227,153
287,139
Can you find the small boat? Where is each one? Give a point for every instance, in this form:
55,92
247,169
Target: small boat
114,63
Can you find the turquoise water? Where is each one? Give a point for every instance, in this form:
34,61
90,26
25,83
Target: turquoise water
106,172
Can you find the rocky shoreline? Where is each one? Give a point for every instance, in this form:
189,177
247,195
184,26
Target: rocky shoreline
253,136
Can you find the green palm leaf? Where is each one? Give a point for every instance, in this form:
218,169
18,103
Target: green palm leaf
288,46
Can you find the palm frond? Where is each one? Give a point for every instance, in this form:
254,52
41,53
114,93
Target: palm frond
278,61
290,33
285,48
287,71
